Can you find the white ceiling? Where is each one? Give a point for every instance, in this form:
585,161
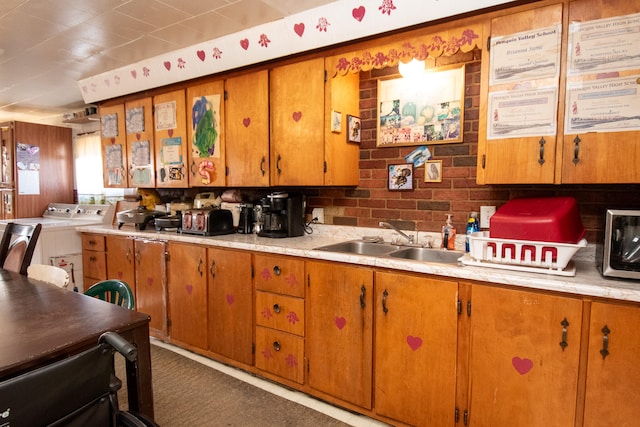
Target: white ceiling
46,46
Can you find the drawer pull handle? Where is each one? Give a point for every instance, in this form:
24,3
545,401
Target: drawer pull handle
92,242
92,259
541,159
277,270
605,342
276,308
576,150
276,345
363,291
564,344
385,294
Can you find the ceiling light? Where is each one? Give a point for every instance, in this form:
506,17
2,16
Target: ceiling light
412,69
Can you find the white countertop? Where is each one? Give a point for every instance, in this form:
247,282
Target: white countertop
587,280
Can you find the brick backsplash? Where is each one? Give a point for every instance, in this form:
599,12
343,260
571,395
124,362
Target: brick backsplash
425,208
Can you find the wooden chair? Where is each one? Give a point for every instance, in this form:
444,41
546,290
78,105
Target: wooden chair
17,246
113,291
49,273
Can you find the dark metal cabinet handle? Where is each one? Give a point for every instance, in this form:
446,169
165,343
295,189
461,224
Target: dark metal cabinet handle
565,324
605,342
541,159
276,346
576,150
262,162
363,292
200,267
385,294
276,308
278,165
211,268
277,270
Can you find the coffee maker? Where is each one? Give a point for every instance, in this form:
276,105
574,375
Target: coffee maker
282,215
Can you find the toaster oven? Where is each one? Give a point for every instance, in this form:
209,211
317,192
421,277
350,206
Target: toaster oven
618,252
207,222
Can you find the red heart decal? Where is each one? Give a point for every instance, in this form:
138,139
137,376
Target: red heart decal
113,140
189,289
246,122
414,342
340,322
299,29
134,73
170,132
167,65
297,115
230,299
358,13
138,136
244,43
150,281
522,365
120,274
201,55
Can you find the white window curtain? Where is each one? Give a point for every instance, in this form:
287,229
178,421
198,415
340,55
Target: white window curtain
88,168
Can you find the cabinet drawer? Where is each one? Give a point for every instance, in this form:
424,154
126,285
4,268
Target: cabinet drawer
94,264
280,353
280,274
280,312
93,242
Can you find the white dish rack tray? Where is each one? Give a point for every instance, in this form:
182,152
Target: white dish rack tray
522,255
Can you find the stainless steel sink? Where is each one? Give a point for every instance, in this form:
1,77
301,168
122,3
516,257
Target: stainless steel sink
426,254
360,247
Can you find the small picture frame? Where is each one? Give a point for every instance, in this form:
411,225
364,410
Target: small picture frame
336,121
401,177
433,171
354,129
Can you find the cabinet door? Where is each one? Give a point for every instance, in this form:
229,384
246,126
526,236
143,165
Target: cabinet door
120,265
602,157
297,123
170,120
279,274
247,126
140,148
525,349
205,117
516,160
613,373
151,282
187,277
415,348
114,146
230,310
340,331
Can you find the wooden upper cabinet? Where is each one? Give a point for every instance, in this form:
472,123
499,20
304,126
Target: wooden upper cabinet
205,118
517,160
138,116
247,129
601,157
297,123
114,146
170,126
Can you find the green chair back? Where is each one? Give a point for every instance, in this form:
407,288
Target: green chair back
113,291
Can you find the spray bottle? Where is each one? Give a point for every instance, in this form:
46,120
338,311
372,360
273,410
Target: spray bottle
472,227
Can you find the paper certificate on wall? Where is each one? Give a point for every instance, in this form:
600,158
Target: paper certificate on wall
611,44
611,105
165,115
523,113
528,55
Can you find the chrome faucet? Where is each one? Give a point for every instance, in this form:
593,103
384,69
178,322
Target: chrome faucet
397,230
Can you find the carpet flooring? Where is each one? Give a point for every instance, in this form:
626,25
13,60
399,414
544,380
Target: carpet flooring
188,393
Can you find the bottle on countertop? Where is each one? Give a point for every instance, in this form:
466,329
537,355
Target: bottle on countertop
472,226
448,235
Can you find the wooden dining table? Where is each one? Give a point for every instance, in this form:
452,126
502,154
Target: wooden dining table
42,323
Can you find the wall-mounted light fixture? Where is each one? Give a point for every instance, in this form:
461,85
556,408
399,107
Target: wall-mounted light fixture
411,69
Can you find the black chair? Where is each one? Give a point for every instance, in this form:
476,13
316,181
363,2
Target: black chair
80,390
17,246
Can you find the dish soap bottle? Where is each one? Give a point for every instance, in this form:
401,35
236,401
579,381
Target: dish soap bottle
472,227
448,235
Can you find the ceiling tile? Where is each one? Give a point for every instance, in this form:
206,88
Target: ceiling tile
195,7
152,12
250,13
144,47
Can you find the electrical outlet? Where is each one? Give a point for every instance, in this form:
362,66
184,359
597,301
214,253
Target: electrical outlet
318,213
485,215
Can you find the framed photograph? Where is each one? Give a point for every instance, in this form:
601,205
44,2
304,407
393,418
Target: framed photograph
433,171
401,177
353,128
430,110
336,121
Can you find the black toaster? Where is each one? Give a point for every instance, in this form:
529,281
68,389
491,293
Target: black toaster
207,222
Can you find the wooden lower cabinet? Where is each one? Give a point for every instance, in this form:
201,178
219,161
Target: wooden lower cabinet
187,285
613,371
120,261
151,283
415,348
230,304
339,334
94,259
525,351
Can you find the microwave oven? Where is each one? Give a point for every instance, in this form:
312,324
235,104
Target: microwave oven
618,252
